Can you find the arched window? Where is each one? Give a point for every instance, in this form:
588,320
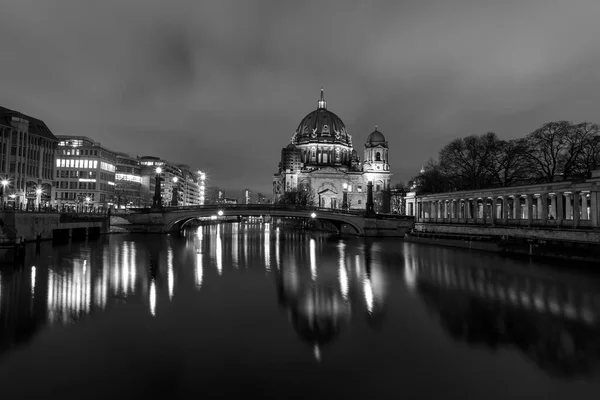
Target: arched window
378,156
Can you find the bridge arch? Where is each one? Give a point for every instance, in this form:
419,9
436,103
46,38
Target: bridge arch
174,217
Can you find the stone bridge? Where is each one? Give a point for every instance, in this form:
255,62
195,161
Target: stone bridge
170,219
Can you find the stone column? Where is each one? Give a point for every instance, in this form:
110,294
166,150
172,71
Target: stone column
553,211
595,208
576,208
538,207
585,214
505,208
493,210
568,207
529,204
517,206
543,207
456,208
560,206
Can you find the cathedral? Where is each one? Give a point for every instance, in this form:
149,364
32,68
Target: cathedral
320,160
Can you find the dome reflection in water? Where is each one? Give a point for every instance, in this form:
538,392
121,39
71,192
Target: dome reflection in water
254,305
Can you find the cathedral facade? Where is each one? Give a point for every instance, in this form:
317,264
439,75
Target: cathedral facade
321,162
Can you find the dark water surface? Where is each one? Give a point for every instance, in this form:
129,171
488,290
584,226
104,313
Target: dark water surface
250,310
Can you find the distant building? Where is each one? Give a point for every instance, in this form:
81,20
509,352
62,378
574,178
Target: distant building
193,186
247,196
189,184
128,181
320,159
171,176
85,173
27,152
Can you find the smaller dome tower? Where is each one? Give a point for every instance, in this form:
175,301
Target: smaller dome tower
376,153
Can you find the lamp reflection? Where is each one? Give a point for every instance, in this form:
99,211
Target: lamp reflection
234,244
199,271
313,258
170,277
410,271
277,257
267,247
219,251
343,274
153,298
32,281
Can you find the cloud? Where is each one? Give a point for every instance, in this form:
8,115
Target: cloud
224,77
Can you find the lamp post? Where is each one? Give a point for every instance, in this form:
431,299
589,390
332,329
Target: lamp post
156,200
174,199
38,197
345,196
4,185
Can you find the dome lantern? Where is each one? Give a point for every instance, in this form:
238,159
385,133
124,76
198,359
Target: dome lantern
322,104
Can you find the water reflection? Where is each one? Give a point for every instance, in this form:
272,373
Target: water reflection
552,321
325,287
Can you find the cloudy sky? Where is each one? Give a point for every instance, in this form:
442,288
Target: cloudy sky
221,85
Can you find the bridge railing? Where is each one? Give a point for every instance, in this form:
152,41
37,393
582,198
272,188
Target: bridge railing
271,208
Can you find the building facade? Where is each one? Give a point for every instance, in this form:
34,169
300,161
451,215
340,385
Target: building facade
180,185
85,174
27,152
321,161
128,182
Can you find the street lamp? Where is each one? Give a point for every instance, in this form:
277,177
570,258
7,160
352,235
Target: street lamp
174,198
345,196
220,213
313,215
4,185
38,197
156,201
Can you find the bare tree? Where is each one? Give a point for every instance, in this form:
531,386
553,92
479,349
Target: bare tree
508,163
546,149
466,161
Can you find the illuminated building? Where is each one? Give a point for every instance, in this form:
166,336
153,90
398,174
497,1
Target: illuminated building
85,173
193,185
320,159
247,196
189,184
27,149
128,182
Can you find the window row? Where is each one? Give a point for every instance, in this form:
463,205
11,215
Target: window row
75,185
76,174
65,163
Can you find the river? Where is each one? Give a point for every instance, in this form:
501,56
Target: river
238,310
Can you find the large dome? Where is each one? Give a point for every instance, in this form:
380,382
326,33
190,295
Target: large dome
322,126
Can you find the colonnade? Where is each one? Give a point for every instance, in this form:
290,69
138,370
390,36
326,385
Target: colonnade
578,207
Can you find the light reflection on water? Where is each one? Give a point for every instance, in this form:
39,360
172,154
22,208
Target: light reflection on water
327,286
